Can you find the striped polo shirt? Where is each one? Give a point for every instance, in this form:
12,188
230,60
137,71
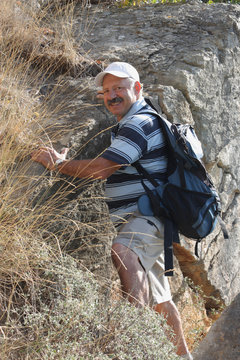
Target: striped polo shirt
136,137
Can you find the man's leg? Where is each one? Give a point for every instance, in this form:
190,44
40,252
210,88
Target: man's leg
145,236
135,287
132,275
169,310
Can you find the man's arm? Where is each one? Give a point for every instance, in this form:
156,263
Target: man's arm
98,168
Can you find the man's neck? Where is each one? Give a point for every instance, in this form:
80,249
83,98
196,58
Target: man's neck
120,117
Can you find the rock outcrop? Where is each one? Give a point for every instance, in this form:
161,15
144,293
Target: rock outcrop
222,341
188,57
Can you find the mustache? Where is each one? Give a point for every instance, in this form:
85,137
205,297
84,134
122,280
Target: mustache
115,100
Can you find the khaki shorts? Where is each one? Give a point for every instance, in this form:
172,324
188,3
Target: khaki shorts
144,236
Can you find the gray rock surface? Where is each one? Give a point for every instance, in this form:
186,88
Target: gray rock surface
188,57
222,341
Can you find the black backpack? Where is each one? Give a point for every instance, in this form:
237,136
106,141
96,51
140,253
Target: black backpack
188,201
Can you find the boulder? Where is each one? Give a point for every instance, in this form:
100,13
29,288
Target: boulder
188,57
222,341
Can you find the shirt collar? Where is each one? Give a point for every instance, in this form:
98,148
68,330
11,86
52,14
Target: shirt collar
133,110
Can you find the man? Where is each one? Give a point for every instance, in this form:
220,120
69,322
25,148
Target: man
137,251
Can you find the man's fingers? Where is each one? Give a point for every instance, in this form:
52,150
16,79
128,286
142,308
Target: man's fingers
42,154
64,152
35,153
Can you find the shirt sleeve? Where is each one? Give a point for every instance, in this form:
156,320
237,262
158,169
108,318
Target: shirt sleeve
128,146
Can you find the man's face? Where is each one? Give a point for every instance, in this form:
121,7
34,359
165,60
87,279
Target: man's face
119,95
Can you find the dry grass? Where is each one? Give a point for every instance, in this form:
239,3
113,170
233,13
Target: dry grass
43,38
30,50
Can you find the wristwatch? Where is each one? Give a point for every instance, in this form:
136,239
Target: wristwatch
58,162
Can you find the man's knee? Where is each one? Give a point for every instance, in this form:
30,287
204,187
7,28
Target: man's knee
132,275
118,252
121,254
125,260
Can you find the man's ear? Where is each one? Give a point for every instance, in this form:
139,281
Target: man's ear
137,87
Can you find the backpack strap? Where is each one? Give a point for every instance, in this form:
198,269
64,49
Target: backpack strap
170,236
144,173
153,197
170,229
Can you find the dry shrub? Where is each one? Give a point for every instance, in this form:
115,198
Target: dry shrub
70,317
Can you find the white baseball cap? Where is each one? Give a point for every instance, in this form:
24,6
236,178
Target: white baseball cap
119,69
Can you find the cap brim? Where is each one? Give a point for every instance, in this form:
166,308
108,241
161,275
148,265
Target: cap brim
100,76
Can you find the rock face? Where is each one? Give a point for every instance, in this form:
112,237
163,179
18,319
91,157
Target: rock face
222,341
188,57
